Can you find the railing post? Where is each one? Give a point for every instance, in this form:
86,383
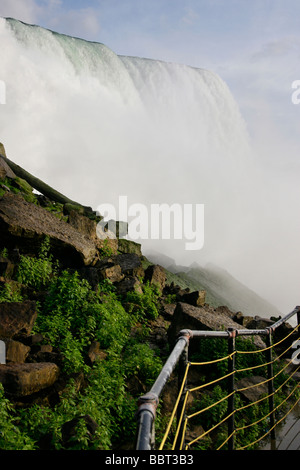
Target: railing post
146,415
181,373
270,382
148,403
231,370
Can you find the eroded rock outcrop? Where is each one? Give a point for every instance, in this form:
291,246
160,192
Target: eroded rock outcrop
23,224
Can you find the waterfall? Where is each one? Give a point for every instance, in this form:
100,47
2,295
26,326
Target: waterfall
96,125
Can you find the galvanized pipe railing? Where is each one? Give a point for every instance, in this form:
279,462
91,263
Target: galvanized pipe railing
148,403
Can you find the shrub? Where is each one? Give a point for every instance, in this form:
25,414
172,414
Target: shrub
36,272
11,438
9,294
141,361
145,305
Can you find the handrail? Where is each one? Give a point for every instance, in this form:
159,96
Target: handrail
148,403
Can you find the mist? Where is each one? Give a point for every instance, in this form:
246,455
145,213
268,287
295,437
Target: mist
97,126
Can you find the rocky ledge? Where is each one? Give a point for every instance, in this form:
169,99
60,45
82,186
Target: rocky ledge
32,370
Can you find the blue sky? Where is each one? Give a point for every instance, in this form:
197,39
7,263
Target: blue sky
189,31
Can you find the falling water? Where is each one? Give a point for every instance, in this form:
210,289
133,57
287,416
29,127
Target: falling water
96,125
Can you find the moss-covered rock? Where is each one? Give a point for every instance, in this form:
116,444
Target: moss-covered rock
128,246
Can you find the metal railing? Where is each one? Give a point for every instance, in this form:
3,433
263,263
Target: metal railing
148,403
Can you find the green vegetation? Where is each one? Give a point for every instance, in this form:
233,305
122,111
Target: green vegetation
71,317
9,294
145,304
18,186
36,272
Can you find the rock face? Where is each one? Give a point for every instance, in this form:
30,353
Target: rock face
31,370
88,228
130,264
25,224
6,267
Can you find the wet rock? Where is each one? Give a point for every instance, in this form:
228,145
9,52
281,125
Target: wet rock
167,310
95,353
156,274
130,264
15,351
129,284
2,150
196,298
25,379
112,273
83,224
17,318
128,246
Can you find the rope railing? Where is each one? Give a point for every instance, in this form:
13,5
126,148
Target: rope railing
222,422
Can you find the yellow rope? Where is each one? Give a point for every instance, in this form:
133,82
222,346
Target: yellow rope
226,440
267,396
212,382
210,406
180,420
209,430
246,426
183,433
214,361
276,424
230,356
271,346
175,408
